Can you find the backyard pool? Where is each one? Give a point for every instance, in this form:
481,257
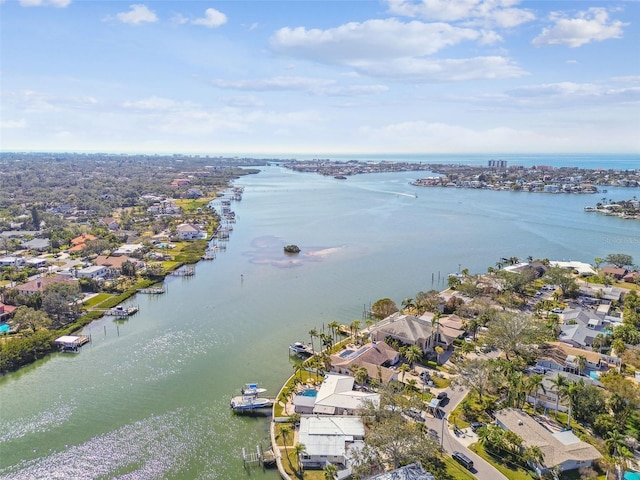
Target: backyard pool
309,392
4,328
631,475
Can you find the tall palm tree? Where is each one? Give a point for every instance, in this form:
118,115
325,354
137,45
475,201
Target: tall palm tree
333,327
533,384
408,304
355,329
313,333
299,449
559,383
403,369
285,430
439,351
581,363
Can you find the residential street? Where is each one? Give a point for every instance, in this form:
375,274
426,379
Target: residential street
450,443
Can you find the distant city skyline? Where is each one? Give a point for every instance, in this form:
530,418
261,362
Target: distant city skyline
320,77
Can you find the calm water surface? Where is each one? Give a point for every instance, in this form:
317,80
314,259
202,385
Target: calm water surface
150,397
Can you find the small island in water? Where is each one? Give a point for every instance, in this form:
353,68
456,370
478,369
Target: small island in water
291,249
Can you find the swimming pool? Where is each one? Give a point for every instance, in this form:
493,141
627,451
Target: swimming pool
346,353
309,392
631,476
4,328
595,375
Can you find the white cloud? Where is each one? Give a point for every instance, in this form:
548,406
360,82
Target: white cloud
493,12
274,83
157,104
315,86
45,3
423,70
22,123
439,137
137,14
212,19
372,39
592,25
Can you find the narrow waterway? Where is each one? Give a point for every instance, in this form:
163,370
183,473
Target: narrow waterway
149,397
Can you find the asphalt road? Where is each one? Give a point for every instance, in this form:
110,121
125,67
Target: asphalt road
450,443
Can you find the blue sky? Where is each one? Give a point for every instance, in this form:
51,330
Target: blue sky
320,77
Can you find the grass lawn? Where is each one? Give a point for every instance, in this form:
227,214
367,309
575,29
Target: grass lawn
456,470
97,300
511,473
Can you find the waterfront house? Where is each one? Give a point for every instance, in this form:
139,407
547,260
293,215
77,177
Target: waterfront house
407,329
614,272
336,396
113,264
375,357
188,231
562,449
328,439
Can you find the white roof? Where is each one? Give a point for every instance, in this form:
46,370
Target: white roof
325,435
581,267
337,391
67,339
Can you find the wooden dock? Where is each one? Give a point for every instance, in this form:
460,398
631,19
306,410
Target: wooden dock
121,311
258,458
152,290
184,272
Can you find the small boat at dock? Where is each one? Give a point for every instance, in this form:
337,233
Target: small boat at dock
301,348
250,401
121,311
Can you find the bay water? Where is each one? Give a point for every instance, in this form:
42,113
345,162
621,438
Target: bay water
149,397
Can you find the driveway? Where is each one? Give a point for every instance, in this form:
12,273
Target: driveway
450,442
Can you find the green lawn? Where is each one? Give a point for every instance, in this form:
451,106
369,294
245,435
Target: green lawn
97,300
455,470
515,473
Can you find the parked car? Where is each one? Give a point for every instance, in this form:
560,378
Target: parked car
442,395
475,426
462,459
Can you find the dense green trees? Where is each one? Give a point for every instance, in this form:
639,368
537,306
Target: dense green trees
383,308
23,350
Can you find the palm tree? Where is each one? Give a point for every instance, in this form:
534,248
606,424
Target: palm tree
355,329
361,375
559,383
439,351
533,384
285,430
330,472
298,366
581,363
408,304
413,354
403,369
571,391
333,327
299,449
313,333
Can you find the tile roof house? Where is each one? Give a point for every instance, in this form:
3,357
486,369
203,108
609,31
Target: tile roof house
111,223
408,329
560,449
77,244
6,311
614,272
113,264
39,284
376,357
187,231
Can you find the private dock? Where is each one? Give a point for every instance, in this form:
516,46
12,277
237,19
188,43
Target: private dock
121,311
152,290
258,458
184,272
72,343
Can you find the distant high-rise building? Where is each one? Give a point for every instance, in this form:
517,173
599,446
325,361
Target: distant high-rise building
498,163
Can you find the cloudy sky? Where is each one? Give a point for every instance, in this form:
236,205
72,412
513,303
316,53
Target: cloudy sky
320,77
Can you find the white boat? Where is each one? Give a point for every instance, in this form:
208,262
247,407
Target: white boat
252,389
249,401
299,347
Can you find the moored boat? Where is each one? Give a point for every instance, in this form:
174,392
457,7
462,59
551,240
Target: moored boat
299,347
